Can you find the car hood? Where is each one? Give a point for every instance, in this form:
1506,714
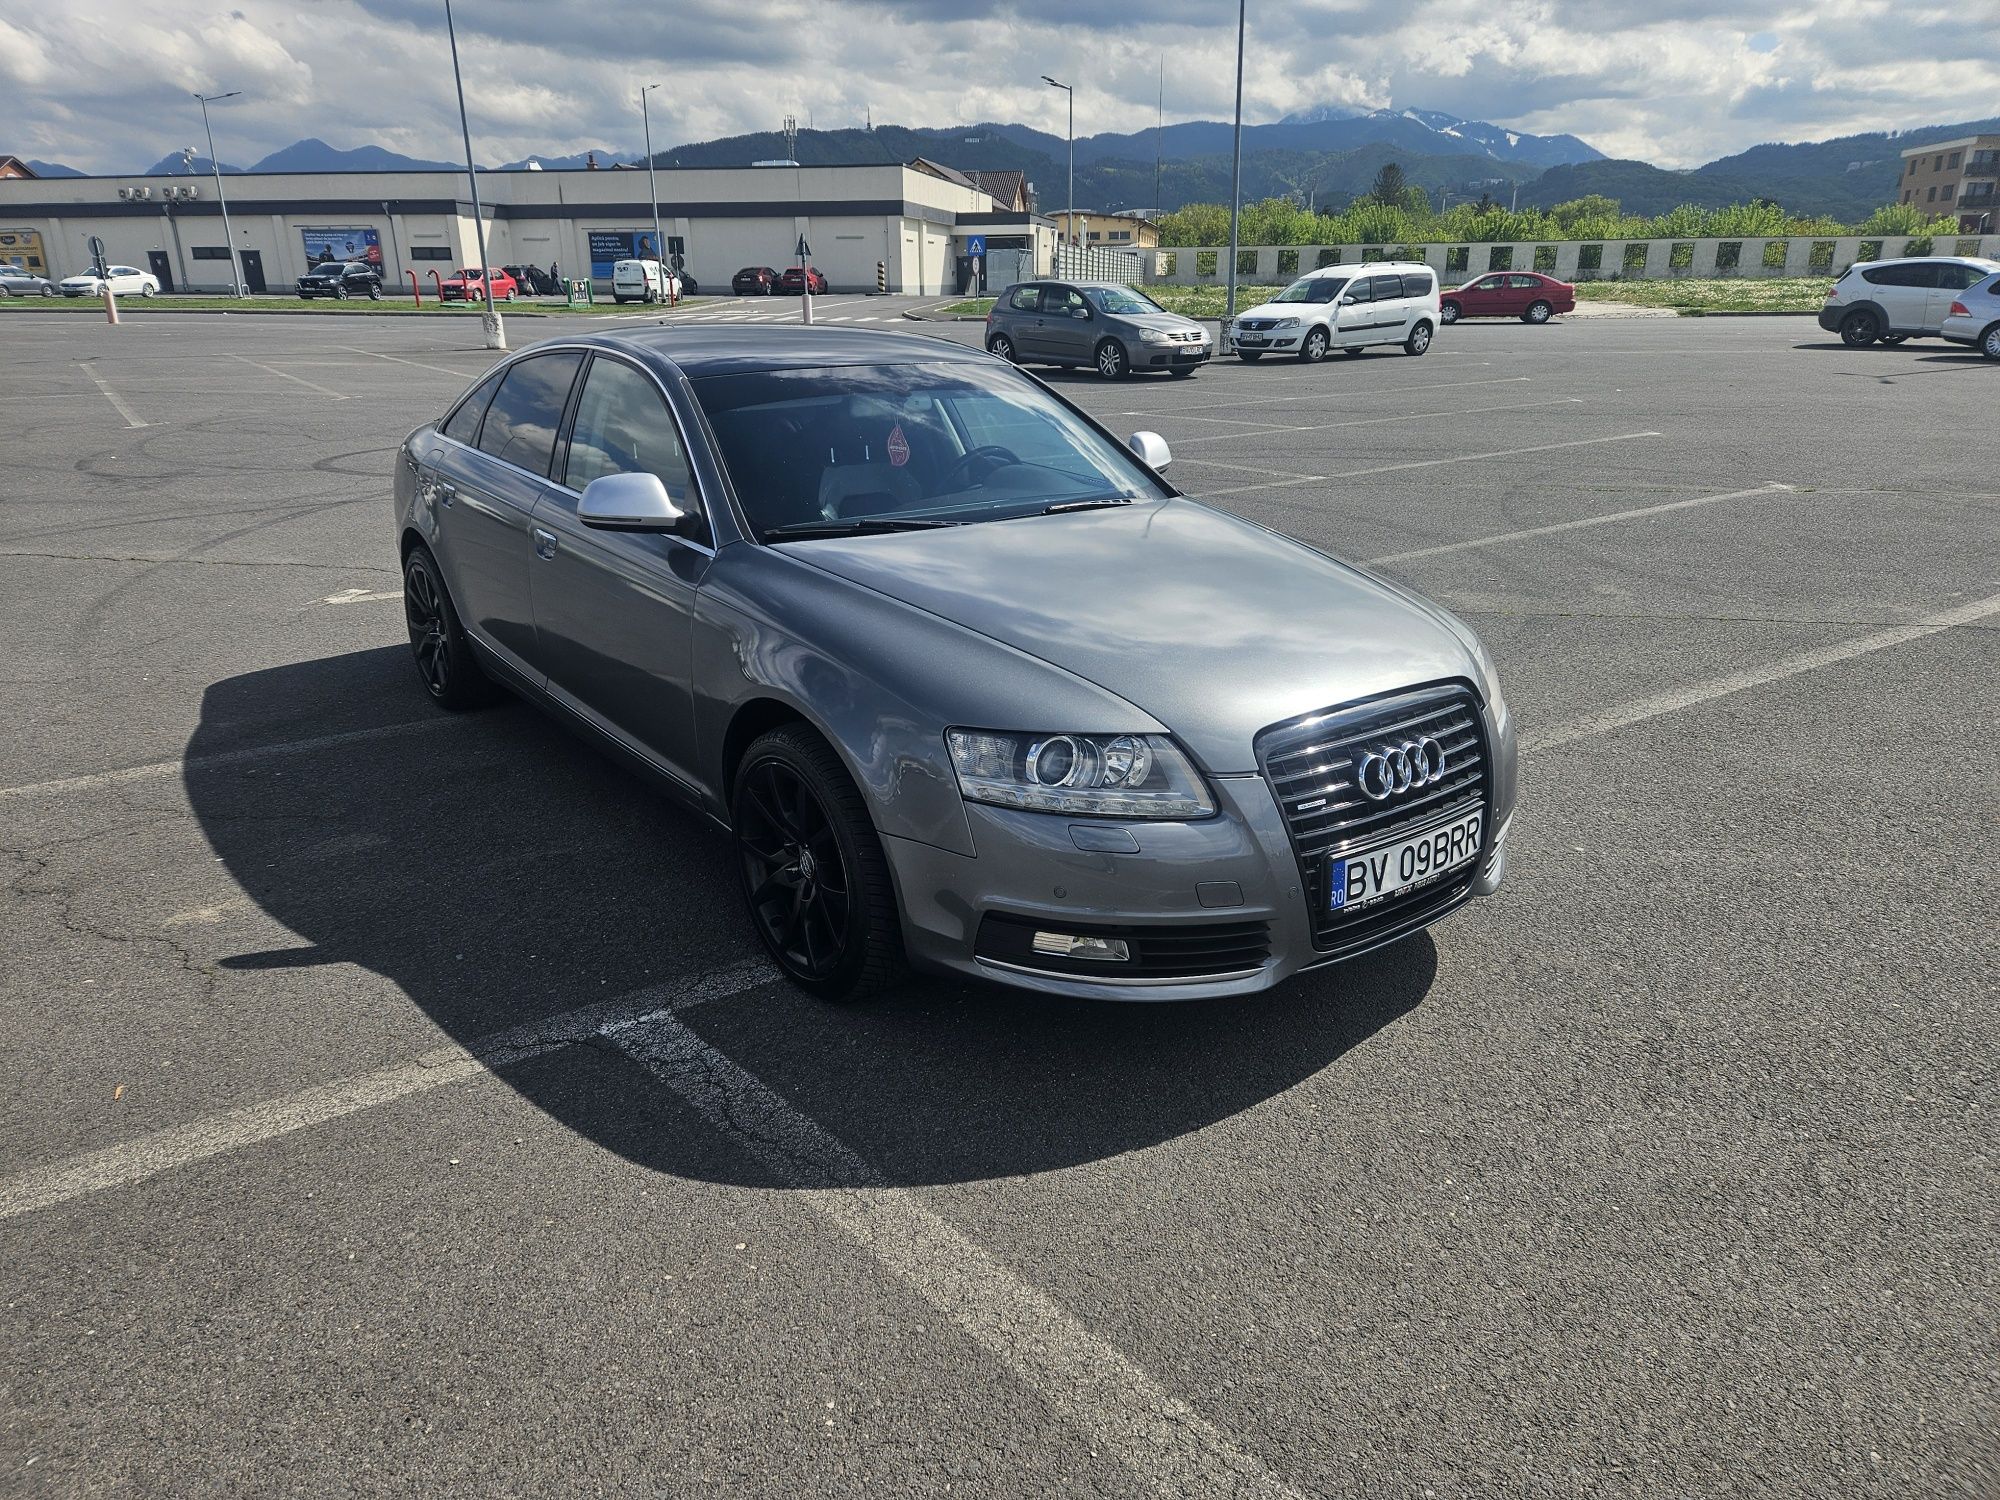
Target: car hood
1299,310
1213,626
1171,321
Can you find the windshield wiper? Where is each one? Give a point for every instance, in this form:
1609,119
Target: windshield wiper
1063,506
857,526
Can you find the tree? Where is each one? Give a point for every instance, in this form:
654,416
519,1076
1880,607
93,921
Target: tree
1389,186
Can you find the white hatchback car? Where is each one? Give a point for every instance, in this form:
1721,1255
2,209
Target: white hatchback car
643,281
1974,317
1343,307
126,281
1893,300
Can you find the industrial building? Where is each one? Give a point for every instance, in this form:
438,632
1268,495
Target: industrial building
918,220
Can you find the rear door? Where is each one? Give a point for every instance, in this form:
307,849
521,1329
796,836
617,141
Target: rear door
1392,309
614,610
487,493
1903,293
1524,291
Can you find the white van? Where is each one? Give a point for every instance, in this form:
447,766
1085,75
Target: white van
643,281
1343,307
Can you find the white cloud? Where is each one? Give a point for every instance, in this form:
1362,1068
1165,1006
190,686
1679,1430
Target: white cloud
104,84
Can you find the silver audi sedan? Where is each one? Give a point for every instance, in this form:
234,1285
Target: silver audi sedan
972,687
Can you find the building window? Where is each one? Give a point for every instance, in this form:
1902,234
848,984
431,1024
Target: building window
1932,198
1949,189
430,252
1913,167
1906,195
1122,234
1954,160
1937,162
209,252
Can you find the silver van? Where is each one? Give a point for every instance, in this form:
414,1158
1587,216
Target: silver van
1117,329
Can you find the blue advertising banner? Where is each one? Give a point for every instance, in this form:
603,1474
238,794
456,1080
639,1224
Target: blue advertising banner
347,242
609,246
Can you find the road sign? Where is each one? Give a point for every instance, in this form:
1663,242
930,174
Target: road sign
976,245
676,246
97,256
805,250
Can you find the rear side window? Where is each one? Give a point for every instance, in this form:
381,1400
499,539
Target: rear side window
1922,274
1958,278
1525,283
1026,299
1418,286
521,423
1385,288
463,425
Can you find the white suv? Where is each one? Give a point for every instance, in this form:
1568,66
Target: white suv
1893,300
1343,307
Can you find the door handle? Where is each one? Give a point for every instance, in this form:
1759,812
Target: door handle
545,544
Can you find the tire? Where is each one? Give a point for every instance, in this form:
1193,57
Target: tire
1002,347
1355,351
1419,340
1890,340
618,299
1249,356
445,663
1989,342
305,296
374,294
1448,313
48,291
1538,312
1313,349
340,294
1112,362
1860,328
1180,372
813,873
148,289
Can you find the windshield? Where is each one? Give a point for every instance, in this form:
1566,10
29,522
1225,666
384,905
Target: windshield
946,443
1121,299
1312,289
465,275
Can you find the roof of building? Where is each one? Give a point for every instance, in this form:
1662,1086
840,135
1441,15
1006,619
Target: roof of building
1008,188
13,166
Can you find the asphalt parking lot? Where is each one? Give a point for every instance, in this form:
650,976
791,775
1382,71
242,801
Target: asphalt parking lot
399,1105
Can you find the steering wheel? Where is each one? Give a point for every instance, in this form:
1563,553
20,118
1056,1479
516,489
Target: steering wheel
991,454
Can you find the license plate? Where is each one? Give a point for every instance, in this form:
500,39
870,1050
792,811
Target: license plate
1251,339
1387,869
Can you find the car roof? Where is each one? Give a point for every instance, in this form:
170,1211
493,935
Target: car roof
1366,265
724,349
1987,262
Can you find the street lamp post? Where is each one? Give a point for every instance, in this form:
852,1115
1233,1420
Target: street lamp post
1235,180
496,332
1069,212
653,186
235,276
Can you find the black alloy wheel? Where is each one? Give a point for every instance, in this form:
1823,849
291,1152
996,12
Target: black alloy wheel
340,291
813,870
1860,328
375,292
444,656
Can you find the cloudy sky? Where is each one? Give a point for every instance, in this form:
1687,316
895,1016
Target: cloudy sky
103,84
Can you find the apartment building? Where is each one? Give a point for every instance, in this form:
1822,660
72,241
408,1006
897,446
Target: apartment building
1959,177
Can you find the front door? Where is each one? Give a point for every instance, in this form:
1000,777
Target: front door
253,270
614,609
1067,325
488,496
1355,312
163,272
1484,298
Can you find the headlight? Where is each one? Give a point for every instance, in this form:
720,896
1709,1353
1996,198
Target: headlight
1286,323
1095,775
1154,336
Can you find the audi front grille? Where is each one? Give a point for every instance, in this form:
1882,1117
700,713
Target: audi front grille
1314,766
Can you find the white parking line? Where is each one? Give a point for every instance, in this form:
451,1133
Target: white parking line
419,364
1216,463
1675,699
118,402
1772,488
1162,1439
1329,394
1469,458
163,770
1244,489
362,596
298,380
1420,416
212,1135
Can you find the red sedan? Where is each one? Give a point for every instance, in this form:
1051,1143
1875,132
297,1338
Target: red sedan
1527,295
465,285
800,279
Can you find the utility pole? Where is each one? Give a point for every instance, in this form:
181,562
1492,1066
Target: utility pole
496,331
653,187
1235,178
1159,124
236,288
1069,214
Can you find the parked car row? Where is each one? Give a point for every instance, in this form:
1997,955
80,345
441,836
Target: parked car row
1914,297
766,281
17,281
341,280
469,284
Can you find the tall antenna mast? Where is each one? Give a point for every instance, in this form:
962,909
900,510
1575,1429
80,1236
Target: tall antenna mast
791,138
1159,120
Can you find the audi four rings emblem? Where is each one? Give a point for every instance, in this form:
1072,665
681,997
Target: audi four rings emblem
1398,768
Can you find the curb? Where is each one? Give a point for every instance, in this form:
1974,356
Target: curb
1723,312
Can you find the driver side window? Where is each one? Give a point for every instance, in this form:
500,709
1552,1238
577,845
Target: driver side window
623,427
1061,301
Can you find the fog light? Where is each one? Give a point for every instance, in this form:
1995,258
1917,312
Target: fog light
1071,945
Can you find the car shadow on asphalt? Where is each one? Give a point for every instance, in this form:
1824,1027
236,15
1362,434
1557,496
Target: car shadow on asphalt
500,870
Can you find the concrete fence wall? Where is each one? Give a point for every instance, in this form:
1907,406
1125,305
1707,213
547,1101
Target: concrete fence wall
1569,260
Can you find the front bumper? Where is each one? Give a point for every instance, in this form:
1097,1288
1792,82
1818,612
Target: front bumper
1202,887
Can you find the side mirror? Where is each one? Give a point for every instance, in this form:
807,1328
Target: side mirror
629,502
1082,314
1347,299
1151,449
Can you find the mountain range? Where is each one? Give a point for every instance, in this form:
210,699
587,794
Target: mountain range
1326,154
